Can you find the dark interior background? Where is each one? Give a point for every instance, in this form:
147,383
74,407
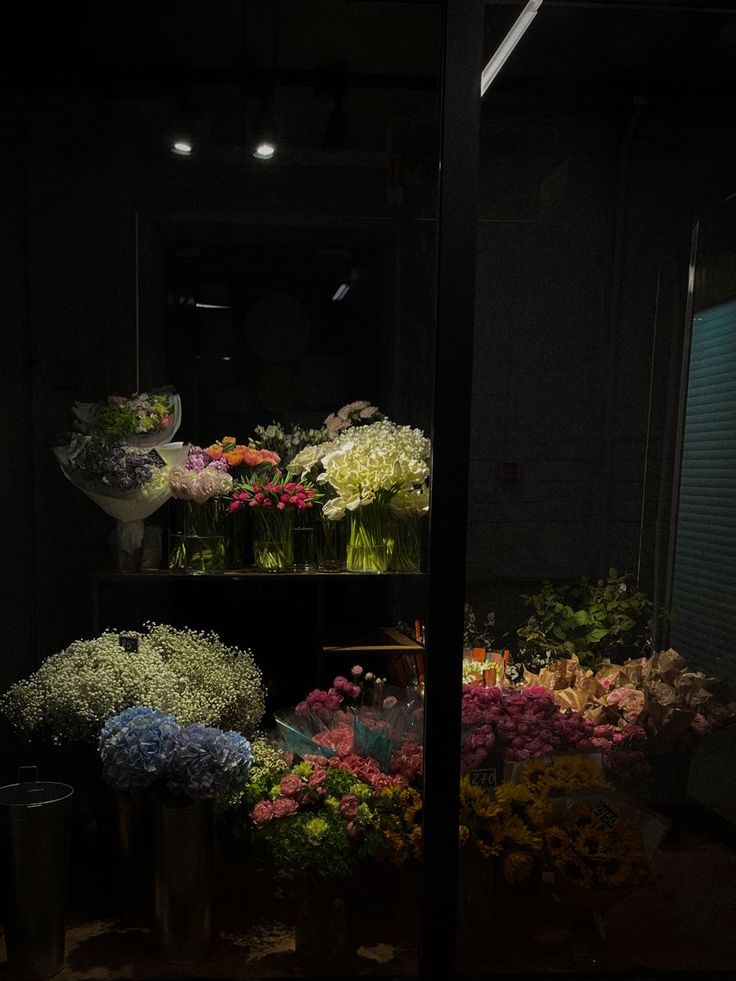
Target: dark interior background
607,132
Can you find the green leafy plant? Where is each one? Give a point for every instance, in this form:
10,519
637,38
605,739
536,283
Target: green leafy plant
603,621
475,634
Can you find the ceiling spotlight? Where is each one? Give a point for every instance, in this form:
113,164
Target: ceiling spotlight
264,151
182,148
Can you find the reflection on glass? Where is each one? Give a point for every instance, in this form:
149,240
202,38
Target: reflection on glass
596,710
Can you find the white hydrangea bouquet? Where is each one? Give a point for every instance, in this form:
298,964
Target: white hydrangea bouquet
193,676
379,477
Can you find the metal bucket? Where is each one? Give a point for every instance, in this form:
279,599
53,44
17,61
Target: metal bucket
35,820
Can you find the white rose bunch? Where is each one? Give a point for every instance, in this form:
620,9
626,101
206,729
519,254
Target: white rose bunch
374,463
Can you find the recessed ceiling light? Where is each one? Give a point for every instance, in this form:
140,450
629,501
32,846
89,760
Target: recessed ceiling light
264,151
182,147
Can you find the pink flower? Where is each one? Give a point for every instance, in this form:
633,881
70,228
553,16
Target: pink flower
284,807
290,785
389,702
700,724
356,671
339,738
353,830
348,807
317,778
345,687
262,813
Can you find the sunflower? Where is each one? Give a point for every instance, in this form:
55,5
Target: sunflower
514,793
575,869
556,841
490,841
590,842
515,830
540,813
517,866
533,772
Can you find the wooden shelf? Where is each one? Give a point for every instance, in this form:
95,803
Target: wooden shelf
378,640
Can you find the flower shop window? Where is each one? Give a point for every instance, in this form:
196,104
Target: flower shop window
229,643
597,709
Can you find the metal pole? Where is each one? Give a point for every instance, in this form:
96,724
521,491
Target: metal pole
451,447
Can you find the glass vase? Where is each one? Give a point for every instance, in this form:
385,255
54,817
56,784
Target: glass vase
237,532
198,545
332,543
367,551
304,558
405,543
272,539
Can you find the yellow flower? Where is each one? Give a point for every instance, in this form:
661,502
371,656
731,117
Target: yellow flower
518,866
556,841
514,793
575,869
540,813
517,831
464,834
533,771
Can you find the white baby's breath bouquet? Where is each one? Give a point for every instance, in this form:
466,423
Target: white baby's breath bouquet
190,675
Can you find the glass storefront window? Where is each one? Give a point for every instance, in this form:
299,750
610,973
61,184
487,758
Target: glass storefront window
597,789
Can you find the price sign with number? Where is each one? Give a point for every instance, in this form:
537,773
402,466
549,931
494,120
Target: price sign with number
129,643
483,778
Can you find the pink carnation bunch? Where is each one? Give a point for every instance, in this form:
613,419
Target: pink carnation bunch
527,723
323,704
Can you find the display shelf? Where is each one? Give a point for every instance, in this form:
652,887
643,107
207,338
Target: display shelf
380,640
172,575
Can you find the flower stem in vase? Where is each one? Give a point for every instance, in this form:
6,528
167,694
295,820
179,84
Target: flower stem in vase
332,543
367,550
405,543
200,547
304,558
272,539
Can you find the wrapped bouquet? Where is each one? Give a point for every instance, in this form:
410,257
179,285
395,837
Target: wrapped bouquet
144,420
117,458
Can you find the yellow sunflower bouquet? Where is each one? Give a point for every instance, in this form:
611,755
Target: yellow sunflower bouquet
561,814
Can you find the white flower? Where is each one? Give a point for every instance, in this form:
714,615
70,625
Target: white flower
308,458
376,462
190,675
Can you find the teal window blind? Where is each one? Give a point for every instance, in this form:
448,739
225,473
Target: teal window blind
703,627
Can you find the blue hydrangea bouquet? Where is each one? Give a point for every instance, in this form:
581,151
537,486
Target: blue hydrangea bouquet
142,747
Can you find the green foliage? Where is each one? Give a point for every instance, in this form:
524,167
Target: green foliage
475,634
117,421
600,622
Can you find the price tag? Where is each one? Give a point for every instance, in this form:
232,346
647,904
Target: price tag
129,643
609,817
483,778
